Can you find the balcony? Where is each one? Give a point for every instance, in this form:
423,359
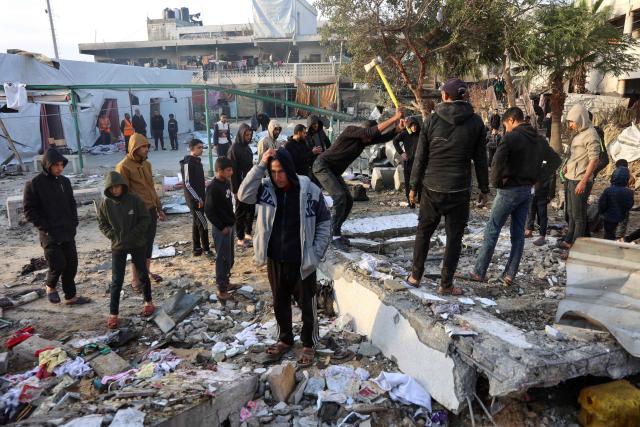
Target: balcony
287,73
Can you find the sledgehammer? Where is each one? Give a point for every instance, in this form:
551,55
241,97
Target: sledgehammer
375,63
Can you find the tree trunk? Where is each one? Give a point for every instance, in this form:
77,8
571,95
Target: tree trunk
508,80
557,106
419,103
580,80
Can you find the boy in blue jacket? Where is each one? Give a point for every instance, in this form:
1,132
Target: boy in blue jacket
615,202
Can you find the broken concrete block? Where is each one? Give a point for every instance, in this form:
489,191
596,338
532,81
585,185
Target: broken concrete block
393,285
4,363
314,386
26,350
109,364
176,309
367,349
365,245
382,178
398,178
282,381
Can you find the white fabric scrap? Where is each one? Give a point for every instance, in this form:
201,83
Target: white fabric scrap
76,368
16,95
404,389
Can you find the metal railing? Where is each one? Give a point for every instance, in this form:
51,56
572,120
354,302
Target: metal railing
275,73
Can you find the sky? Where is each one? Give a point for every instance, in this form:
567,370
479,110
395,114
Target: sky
26,25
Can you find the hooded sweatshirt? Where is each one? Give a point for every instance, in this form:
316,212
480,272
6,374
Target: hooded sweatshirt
49,203
617,200
318,138
450,139
241,158
123,220
268,141
301,155
408,139
137,173
522,158
585,146
193,178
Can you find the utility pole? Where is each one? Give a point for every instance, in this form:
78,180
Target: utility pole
53,31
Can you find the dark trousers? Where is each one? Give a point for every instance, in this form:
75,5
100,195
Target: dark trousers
173,139
150,235
105,138
577,211
126,143
222,149
406,171
63,262
199,231
285,282
224,257
610,230
621,229
158,135
244,219
118,267
339,192
455,209
538,210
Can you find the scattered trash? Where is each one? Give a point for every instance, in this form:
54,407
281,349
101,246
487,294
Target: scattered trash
404,389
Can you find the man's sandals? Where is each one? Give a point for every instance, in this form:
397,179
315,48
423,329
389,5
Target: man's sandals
306,357
277,350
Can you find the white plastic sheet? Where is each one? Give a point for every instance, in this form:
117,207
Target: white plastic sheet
404,389
273,18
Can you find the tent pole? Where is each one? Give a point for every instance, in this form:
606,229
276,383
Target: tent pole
74,108
286,106
206,119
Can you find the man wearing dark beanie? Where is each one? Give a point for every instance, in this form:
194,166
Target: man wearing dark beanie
450,139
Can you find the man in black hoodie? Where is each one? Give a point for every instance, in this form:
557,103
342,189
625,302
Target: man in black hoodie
139,123
50,206
450,139
409,139
316,137
157,129
172,128
522,159
300,152
194,192
241,158
331,164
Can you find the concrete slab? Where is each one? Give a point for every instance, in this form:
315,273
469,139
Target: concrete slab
382,178
398,178
109,364
384,226
26,350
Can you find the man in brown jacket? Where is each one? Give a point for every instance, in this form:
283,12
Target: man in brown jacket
136,171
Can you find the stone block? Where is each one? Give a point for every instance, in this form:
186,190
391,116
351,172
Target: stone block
398,178
26,350
282,381
109,364
382,178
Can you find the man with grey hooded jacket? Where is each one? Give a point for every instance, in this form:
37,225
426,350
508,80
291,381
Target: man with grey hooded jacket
293,228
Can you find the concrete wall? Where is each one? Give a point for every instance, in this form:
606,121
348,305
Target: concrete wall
594,103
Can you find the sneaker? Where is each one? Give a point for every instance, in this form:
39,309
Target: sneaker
197,252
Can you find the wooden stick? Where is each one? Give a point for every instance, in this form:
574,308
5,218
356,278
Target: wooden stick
12,147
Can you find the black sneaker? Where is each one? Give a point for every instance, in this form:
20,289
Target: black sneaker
197,252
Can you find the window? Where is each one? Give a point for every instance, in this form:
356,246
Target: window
635,25
315,57
618,22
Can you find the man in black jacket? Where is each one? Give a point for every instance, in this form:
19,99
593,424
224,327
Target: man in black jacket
331,164
301,153
139,123
50,206
450,139
522,159
241,158
409,139
157,129
172,128
194,192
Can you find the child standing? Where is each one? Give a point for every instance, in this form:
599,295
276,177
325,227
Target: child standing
124,219
621,231
219,209
615,202
194,193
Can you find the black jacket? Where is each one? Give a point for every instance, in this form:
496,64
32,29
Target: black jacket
49,203
450,139
172,126
409,141
617,200
350,144
301,154
522,158
241,158
193,178
157,123
218,205
319,138
495,121
139,124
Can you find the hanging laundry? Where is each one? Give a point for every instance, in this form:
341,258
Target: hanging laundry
16,95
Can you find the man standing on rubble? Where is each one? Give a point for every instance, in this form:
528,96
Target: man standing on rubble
450,139
292,235
522,159
50,206
241,158
331,164
137,173
409,140
157,129
270,140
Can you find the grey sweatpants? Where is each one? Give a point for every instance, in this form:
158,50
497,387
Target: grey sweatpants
224,256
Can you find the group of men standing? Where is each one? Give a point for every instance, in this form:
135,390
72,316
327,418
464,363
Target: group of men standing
137,124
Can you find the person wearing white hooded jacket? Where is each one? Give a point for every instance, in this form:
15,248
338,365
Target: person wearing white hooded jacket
270,140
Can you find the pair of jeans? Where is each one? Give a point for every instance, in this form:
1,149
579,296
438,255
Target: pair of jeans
173,140
222,149
244,219
339,192
158,135
433,206
118,267
610,230
126,143
286,282
576,205
538,209
511,202
224,257
406,172
199,230
63,262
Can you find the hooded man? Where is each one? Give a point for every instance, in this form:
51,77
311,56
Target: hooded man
578,172
292,235
139,123
316,137
450,139
157,129
138,175
331,164
615,202
241,158
270,140
409,139
50,206
299,150
522,159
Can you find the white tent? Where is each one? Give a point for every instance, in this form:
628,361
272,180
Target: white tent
24,126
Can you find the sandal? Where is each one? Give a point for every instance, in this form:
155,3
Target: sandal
136,288
233,287
507,280
112,322
78,301
449,291
223,295
528,234
277,350
413,284
563,245
342,355
472,277
54,297
155,277
306,358
148,310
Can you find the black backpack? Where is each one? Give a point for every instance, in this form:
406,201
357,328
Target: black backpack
603,160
